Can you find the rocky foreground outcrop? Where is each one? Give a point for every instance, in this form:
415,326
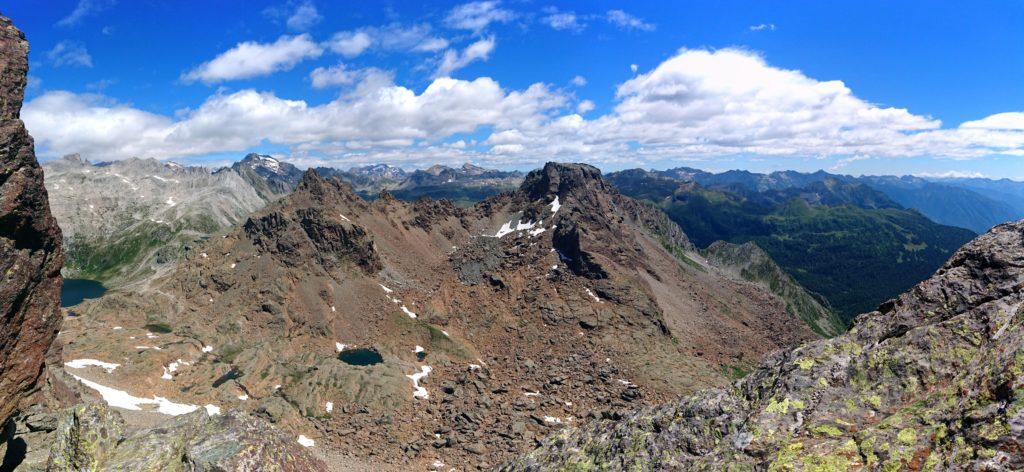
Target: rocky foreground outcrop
932,380
91,437
30,241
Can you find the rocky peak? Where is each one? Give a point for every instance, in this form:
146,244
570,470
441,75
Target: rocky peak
31,254
271,177
437,169
471,169
75,158
325,189
262,162
563,179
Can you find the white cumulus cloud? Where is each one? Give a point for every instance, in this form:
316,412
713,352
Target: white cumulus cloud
453,60
476,16
69,53
83,9
251,59
562,20
304,17
626,21
390,38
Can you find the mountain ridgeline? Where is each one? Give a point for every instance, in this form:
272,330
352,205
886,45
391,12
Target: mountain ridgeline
123,241
841,239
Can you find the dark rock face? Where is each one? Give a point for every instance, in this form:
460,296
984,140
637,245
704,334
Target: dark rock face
308,234
30,241
93,438
932,380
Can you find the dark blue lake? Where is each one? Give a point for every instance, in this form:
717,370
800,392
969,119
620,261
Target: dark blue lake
77,290
360,356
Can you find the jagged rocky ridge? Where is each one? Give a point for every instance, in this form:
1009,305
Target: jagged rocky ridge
408,333
932,380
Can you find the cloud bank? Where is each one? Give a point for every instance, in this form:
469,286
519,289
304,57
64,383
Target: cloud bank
697,103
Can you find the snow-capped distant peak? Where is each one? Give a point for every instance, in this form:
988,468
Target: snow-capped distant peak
265,162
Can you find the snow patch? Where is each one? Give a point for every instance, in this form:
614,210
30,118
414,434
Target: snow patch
340,347
418,349
118,328
408,312
343,217
329,407
552,420
243,397
592,295
170,201
419,391
555,205
121,399
306,442
172,368
207,348
507,228
157,177
212,410
386,290
83,363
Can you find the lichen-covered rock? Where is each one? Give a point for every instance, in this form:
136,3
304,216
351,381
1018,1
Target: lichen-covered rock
933,380
92,437
30,241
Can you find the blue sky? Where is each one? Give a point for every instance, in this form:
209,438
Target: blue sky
868,87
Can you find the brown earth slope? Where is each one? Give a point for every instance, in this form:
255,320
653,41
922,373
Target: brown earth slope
932,380
424,334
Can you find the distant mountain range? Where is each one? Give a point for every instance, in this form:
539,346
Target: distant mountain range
126,221
464,185
973,203
121,241
837,236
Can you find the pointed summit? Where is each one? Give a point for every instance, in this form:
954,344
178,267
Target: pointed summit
271,177
325,189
